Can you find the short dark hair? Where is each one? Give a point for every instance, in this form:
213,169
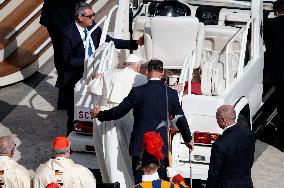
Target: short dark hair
80,9
278,5
155,65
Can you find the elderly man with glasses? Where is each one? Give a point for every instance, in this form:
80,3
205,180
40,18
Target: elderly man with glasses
73,51
11,173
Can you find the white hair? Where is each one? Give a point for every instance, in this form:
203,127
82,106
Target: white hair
7,145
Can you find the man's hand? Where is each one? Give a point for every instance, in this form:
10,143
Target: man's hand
190,145
96,75
178,87
140,41
95,111
171,172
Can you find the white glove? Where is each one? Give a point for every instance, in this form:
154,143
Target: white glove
171,172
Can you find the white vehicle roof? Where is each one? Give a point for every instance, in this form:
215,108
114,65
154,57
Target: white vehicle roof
242,4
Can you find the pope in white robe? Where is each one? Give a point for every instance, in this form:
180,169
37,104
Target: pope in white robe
62,170
12,174
112,137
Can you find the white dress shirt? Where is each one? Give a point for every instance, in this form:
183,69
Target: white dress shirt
82,34
228,127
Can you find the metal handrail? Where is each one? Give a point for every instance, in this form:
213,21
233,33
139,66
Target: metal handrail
106,24
227,48
243,49
103,59
187,69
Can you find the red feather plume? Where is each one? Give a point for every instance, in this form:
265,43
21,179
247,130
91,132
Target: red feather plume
153,144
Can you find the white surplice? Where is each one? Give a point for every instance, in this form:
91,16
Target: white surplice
64,172
12,174
112,137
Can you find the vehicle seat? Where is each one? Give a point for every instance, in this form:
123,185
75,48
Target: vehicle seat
170,39
213,64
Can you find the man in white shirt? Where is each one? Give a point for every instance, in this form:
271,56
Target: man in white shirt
112,137
62,170
11,173
73,46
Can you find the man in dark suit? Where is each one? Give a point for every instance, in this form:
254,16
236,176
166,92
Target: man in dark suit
55,15
273,61
73,52
149,104
232,155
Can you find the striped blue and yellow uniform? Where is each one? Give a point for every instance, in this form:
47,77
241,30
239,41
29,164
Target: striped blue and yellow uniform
158,184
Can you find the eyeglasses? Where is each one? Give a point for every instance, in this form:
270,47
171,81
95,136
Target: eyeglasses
89,16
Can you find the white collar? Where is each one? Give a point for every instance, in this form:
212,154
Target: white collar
151,177
4,157
80,28
155,79
60,158
228,127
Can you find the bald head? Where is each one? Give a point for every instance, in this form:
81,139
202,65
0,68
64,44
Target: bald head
225,116
7,146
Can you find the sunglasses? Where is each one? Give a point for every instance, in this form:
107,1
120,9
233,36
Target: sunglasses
89,16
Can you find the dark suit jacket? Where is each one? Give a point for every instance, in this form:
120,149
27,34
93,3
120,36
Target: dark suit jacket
231,159
73,53
57,14
148,102
274,39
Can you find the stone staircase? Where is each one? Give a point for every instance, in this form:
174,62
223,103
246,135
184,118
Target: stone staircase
24,44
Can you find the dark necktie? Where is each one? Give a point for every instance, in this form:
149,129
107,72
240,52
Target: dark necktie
90,50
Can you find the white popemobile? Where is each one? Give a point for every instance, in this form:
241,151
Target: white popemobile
221,39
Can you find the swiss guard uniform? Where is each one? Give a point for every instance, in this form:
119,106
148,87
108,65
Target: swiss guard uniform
13,175
63,171
154,182
152,155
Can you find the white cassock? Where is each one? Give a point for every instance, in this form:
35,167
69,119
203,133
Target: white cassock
112,137
64,172
13,175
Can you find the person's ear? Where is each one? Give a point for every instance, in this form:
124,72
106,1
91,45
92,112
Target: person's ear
162,73
12,152
79,18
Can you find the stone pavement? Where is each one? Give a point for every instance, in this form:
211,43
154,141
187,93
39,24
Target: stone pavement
28,113
268,167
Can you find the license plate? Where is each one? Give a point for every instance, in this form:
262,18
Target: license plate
83,114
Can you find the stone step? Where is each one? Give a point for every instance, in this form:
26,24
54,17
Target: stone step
27,58
18,26
7,6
